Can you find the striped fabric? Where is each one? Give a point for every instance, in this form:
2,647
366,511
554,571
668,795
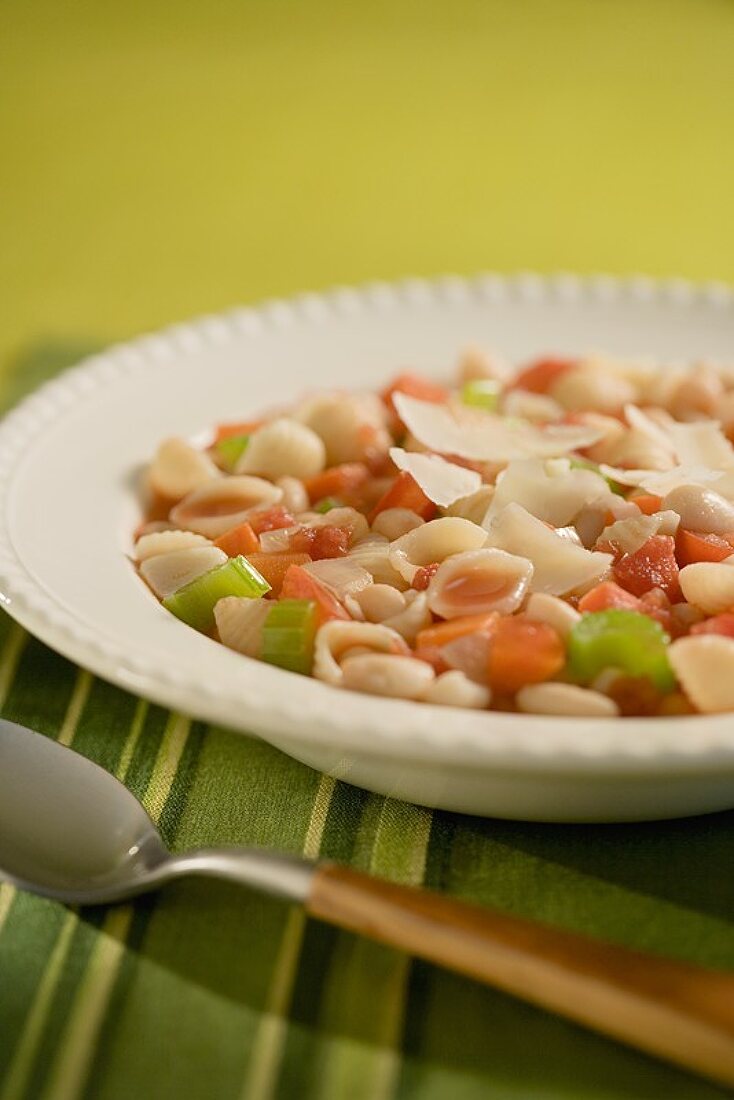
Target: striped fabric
208,991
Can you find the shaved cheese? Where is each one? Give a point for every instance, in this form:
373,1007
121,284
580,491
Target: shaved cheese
551,491
698,443
630,534
443,482
484,437
662,482
640,420
560,566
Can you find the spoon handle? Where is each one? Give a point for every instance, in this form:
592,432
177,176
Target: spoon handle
674,1010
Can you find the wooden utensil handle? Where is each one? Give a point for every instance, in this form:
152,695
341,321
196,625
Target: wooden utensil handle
676,1011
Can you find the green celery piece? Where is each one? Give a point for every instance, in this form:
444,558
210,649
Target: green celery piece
634,643
231,450
288,635
194,603
482,393
587,464
327,504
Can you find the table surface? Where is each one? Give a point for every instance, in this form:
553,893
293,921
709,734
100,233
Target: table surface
160,160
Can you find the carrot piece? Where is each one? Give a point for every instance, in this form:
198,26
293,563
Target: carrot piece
300,585
440,634
606,595
719,624
238,427
405,492
337,481
691,547
413,385
238,540
540,375
523,652
274,567
647,503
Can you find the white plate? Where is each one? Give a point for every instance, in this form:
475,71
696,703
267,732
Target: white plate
69,456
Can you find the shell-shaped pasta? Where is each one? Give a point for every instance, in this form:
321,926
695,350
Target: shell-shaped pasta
335,638
479,581
709,585
542,608
697,394
476,364
415,617
565,700
395,522
380,602
473,507
166,573
454,689
704,665
213,509
701,509
591,387
239,623
295,498
283,448
350,425
393,676
163,542
434,542
178,469
561,567
373,554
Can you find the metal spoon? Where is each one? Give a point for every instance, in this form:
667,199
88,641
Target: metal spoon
70,831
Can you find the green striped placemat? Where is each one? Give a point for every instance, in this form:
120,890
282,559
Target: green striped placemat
208,991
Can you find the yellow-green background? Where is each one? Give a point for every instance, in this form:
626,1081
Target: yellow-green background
159,159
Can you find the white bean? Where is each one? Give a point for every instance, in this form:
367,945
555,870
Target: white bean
565,700
709,585
542,608
454,689
704,665
701,509
380,602
295,497
394,522
415,617
163,542
178,469
380,674
283,447
584,388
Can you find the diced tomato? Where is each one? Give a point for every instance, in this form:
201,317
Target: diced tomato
636,696
270,519
322,542
647,503
238,427
652,566
539,376
691,547
606,595
298,584
422,578
238,540
719,624
274,567
442,633
523,652
414,386
337,481
405,492
656,604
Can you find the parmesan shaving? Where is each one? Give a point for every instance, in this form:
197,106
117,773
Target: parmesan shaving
551,491
443,482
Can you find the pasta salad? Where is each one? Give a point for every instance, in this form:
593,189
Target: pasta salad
555,539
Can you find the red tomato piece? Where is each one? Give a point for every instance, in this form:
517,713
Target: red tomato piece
539,376
414,386
719,624
270,519
322,542
337,481
422,578
607,595
647,503
652,566
656,604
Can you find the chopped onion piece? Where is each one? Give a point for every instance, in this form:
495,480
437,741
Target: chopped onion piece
344,576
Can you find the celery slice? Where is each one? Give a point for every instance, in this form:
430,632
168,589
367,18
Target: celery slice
288,635
587,464
325,505
620,639
231,450
482,393
195,602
